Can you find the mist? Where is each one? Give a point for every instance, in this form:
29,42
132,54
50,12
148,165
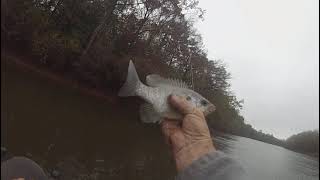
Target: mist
271,49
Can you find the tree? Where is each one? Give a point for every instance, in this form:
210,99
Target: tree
307,142
93,41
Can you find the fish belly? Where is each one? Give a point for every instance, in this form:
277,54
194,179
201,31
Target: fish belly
158,97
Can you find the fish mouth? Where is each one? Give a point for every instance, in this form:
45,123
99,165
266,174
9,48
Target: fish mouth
210,109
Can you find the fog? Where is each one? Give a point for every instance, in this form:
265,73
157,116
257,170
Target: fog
271,49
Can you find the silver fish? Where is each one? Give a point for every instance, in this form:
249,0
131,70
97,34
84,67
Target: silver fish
156,94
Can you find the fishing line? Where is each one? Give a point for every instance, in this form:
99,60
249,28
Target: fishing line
191,71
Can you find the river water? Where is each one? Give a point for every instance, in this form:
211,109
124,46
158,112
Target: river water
76,136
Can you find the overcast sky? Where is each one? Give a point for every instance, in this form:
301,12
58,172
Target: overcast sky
271,49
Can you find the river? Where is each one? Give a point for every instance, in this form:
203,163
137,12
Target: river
76,136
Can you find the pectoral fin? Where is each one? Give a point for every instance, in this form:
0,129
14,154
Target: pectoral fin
148,114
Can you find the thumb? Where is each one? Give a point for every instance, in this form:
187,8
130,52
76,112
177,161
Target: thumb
181,104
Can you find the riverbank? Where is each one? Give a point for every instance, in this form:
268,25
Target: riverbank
25,64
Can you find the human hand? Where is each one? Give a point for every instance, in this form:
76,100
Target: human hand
189,139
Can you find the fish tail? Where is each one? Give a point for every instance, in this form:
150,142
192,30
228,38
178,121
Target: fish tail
132,83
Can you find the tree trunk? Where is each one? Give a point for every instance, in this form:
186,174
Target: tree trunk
99,28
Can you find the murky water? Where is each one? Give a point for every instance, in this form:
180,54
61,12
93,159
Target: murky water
81,136
265,161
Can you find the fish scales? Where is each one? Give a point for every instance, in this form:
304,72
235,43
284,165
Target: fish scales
156,92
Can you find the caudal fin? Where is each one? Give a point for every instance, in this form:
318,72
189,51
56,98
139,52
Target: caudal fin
132,82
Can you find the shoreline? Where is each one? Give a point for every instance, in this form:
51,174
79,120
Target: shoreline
56,77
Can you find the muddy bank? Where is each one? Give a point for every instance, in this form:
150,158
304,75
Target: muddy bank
25,64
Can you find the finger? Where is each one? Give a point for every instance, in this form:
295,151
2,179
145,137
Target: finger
173,134
168,128
181,104
177,140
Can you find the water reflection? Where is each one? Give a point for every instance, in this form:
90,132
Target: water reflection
223,142
74,136
265,161
304,164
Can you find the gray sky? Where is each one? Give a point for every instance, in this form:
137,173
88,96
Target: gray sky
271,49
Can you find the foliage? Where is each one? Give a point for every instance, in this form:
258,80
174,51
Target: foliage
93,40
306,142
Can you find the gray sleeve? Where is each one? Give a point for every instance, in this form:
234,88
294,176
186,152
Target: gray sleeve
213,166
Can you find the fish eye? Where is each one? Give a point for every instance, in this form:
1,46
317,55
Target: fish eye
204,103
188,98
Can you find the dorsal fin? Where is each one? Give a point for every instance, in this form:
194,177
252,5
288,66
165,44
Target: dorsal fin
156,80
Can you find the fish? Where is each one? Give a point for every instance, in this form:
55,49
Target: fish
155,93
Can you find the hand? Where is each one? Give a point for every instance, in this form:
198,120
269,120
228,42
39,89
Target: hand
189,139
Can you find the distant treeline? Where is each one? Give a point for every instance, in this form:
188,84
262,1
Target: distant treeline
93,41
304,142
